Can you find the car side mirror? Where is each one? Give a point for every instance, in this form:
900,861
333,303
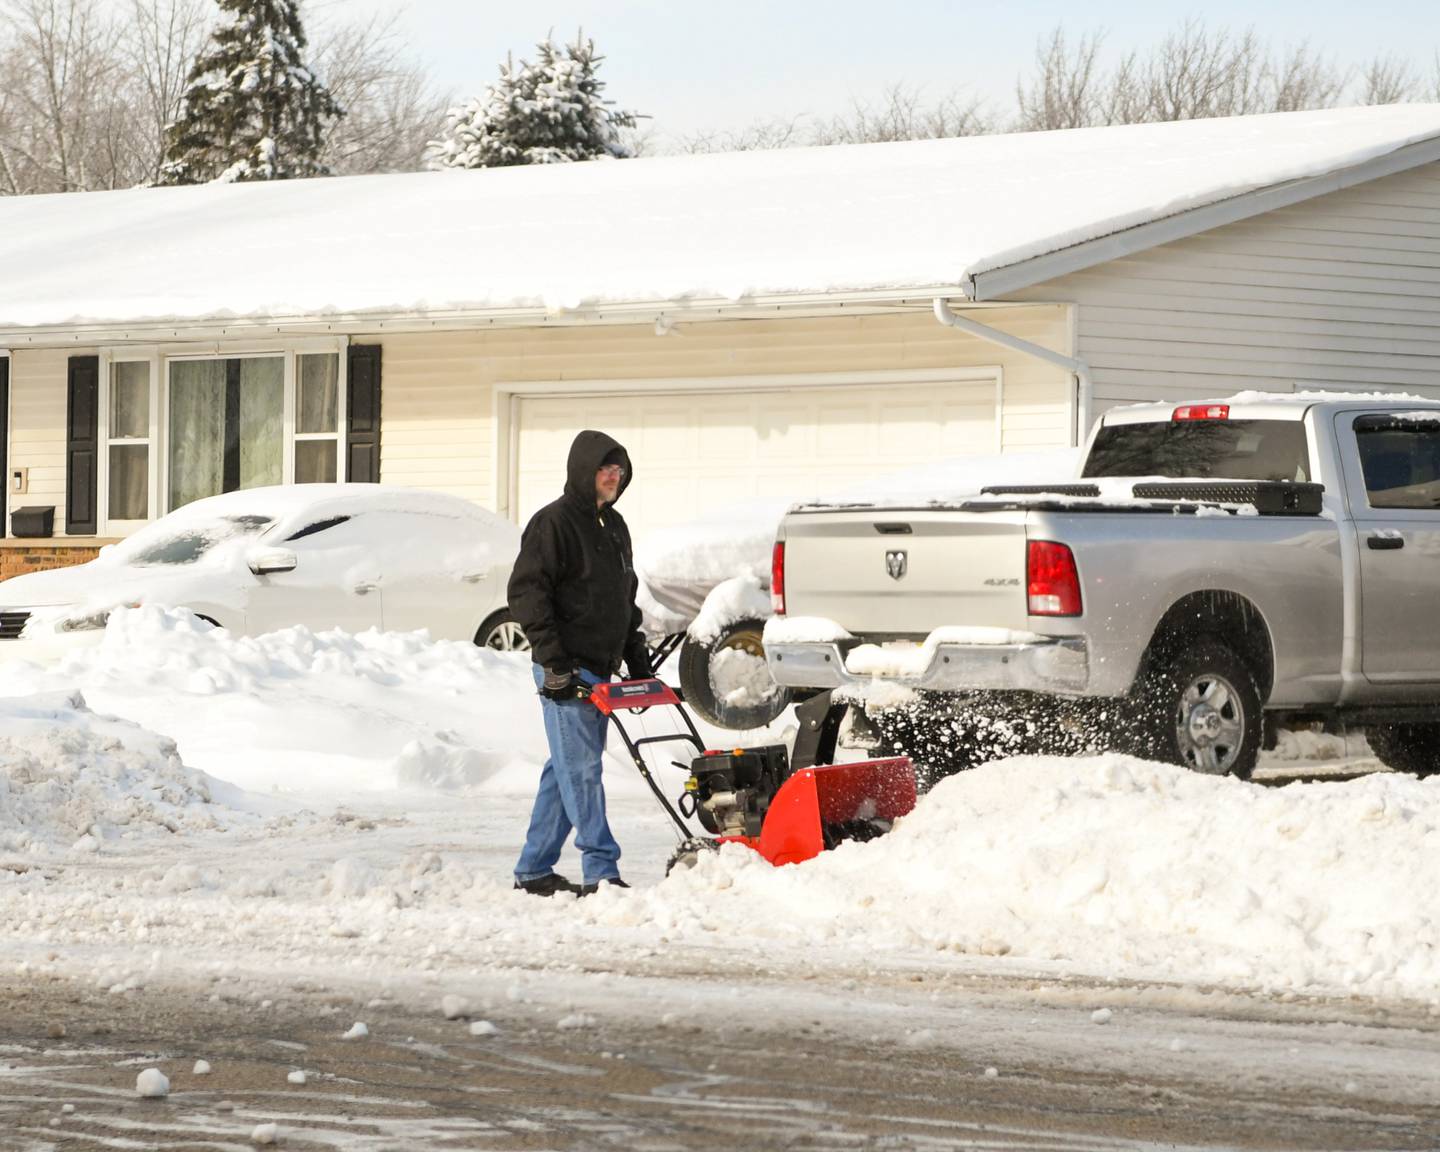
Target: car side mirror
268,560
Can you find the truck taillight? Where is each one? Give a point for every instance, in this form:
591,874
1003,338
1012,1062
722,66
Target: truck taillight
1053,584
777,578
1201,412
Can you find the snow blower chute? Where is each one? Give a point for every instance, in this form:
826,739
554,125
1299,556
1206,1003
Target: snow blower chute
789,807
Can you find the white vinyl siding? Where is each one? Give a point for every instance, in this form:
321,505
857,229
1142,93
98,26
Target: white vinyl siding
696,449
439,422
439,391
1342,292
38,398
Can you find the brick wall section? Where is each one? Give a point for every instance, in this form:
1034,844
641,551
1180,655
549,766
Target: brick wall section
17,559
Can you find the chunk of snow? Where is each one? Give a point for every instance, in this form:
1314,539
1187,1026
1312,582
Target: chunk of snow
296,1077
575,1021
265,1134
1100,1016
453,1007
202,1068
482,1028
358,1031
152,1084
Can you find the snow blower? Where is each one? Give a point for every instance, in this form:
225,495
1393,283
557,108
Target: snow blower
787,806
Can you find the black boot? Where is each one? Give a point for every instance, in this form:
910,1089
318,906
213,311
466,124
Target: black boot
548,885
591,889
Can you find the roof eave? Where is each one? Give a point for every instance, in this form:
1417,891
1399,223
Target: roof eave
171,330
996,283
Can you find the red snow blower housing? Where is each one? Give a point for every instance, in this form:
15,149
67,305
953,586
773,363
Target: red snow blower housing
789,807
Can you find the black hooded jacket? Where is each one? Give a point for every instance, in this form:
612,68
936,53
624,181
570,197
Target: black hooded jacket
573,585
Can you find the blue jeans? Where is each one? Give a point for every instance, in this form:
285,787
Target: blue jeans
571,794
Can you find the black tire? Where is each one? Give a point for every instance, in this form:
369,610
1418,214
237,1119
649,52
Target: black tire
501,633
699,688
1199,707
1407,747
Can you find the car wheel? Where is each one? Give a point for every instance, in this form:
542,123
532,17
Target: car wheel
1199,708
501,633
1407,747
726,681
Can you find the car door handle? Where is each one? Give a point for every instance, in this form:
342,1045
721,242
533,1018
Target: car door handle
1384,543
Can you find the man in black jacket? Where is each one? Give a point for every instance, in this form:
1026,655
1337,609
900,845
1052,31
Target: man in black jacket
573,591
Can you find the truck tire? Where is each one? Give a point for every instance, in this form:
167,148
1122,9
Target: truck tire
1199,707
1407,747
715,676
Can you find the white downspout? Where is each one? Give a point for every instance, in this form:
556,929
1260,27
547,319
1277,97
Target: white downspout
1084,389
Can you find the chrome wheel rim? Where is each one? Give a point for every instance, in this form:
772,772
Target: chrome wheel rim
1210,725
507,637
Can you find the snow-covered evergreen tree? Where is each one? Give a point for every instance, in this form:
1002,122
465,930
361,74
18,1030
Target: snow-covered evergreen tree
548,112
252,109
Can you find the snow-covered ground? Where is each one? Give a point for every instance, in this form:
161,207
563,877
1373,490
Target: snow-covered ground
180,804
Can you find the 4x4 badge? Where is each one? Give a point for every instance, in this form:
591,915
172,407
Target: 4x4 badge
895,564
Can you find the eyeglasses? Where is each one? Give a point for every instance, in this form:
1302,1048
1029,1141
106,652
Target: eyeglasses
616,470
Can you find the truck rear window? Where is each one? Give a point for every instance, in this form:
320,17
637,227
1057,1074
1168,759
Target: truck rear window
1222,449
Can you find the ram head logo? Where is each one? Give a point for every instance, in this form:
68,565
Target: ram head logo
896,564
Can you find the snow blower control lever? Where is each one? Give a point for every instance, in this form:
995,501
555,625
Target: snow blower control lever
789,807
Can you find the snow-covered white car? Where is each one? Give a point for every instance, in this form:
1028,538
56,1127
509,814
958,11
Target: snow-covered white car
349,556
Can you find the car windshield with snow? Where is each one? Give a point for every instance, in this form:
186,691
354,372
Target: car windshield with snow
191,544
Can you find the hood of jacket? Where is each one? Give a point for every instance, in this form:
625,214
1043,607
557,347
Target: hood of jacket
587,452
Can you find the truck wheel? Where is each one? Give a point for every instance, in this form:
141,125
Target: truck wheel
726,680
1200,708
1407,747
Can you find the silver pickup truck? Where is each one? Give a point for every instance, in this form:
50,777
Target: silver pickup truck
1218,570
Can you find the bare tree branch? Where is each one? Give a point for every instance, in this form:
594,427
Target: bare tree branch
391,111
1064,93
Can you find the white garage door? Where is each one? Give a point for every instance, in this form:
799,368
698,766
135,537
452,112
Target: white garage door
697,451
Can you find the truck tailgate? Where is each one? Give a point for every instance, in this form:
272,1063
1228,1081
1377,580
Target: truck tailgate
907,571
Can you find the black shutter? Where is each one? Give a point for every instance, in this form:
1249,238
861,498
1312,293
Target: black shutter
362,401
82,447
5,441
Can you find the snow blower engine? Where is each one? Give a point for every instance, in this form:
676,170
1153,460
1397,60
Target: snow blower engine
789,807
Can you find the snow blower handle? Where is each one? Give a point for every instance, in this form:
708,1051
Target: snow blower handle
635,696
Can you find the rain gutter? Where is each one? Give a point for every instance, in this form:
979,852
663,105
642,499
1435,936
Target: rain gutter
1078,369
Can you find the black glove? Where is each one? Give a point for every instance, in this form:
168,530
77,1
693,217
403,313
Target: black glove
638,667
561,684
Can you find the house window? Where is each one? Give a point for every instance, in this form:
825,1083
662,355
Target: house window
177,426
317,418
249,421
128,440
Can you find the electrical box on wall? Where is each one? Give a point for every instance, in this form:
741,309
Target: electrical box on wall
19,481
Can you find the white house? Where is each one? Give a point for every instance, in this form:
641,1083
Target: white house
750,323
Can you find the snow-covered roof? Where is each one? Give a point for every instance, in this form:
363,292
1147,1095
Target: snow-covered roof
914,217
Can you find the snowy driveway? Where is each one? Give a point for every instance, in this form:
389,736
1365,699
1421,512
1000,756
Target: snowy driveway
365,795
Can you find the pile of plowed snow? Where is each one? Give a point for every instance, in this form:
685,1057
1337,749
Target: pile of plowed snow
300,711
72,779
1120,867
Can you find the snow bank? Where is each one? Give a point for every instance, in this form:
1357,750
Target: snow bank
1105,866
70,778
298,711
1114,866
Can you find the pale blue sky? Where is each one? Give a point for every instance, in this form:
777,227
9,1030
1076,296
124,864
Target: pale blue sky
719,66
